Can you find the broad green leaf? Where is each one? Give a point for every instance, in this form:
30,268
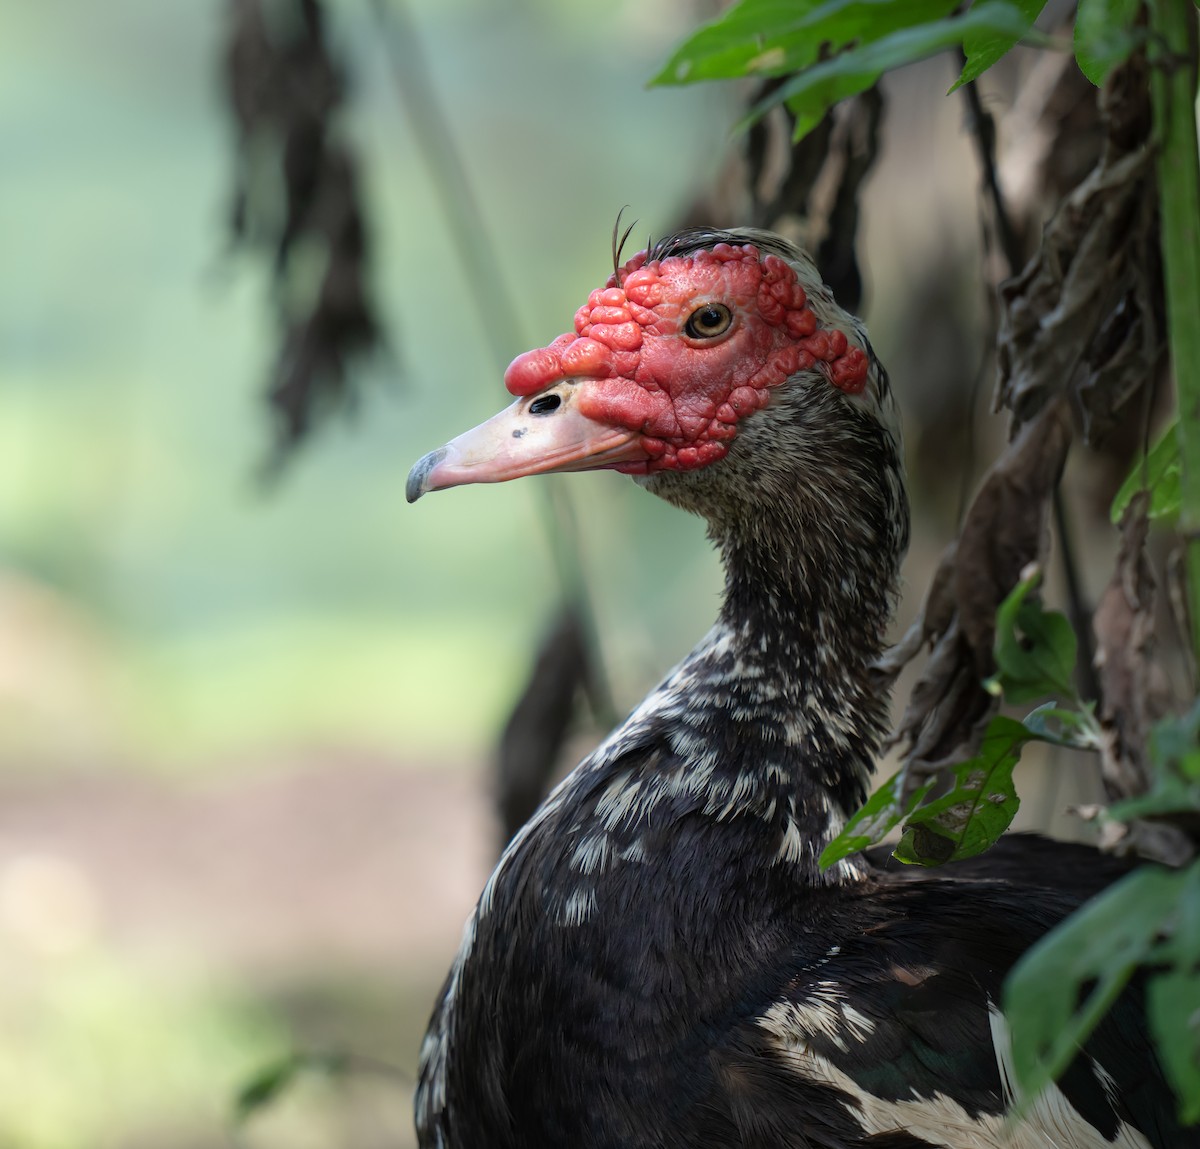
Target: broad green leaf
1173,1008
977,810
882,813
1175,757
1158,472
815,89
1182,949
1034,649
1104,36
774,37
1173,998
1063,986
985,46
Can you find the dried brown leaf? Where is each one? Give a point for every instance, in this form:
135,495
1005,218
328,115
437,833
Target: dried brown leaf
1134,690
537,728
1177,596
1085,316
854,147
1005,529
769,178
782,172
933,621
295,188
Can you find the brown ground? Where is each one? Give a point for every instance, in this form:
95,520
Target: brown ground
338,860
327,894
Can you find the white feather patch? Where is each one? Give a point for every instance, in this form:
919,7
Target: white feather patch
1052,1122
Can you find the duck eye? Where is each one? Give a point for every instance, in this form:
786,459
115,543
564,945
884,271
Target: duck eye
544,404
708,321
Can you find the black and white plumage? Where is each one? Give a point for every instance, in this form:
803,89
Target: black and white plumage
657,960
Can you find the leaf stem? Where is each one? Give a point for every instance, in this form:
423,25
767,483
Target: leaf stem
1173,90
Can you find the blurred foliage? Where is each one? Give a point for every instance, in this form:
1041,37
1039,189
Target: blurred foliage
1064,985
829,51
220,618
112,1057
1158,472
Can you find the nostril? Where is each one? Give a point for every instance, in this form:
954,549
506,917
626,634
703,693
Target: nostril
544,404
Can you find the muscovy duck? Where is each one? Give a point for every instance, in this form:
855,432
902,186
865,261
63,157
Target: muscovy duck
658,959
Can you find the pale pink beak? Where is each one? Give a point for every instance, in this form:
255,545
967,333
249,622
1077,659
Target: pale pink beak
533,436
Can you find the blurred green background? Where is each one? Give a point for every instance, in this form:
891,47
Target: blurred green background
133,347
244,731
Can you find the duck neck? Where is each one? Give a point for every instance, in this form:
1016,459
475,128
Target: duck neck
775,716
804,616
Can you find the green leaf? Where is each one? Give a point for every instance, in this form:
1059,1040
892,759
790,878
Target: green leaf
1159,472
882,813
1104,36
977,810
1173,999
986,45
1170,794
1173,740
1034,650
1175,756
817,88
1063,986
1182,948
1173,1009
266,1086
774,37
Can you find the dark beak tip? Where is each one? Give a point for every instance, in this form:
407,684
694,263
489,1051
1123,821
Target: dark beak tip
415,487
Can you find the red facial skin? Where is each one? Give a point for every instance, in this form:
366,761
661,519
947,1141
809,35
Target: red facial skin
684,396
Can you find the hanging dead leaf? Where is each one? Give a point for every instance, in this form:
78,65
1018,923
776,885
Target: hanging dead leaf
1005,529
296,191
853,150
1134,689
536,730
781,171
1086,315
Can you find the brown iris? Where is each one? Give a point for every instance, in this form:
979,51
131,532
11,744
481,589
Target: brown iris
708,321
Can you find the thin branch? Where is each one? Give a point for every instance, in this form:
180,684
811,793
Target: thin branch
983,131
491,293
